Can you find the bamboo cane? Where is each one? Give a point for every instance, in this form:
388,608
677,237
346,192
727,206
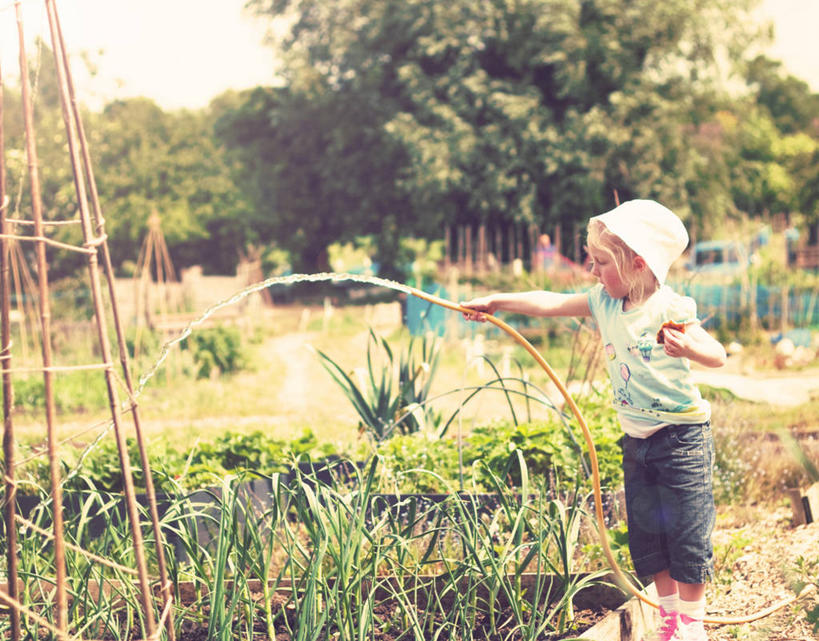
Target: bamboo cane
8,406
45,331
93,271
99,223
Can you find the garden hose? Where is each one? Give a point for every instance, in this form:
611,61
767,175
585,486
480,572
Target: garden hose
622,580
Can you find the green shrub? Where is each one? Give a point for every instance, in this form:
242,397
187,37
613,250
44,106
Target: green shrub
216,350
548,447
404,455
254,454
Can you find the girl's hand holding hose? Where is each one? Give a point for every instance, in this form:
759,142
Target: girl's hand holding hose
482,306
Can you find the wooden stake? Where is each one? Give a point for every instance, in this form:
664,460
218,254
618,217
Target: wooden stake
99,223
45,331
99,312
5,355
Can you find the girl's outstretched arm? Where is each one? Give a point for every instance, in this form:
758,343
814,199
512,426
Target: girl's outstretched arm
534,303
695,344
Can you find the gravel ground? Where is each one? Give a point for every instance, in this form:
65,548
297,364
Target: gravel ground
757,553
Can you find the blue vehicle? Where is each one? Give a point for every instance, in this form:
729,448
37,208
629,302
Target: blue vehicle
718,257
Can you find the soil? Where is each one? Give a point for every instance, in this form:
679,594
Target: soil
388,627
763,550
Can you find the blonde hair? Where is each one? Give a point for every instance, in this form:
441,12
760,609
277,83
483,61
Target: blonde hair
641,283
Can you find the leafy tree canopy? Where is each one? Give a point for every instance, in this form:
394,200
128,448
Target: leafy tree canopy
531,111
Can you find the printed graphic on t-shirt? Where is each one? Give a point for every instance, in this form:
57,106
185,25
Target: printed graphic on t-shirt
622,394
644,346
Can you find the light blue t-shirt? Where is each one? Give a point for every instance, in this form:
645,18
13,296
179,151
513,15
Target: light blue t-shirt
650,388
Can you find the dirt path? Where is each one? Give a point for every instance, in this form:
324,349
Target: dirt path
758,555
307,392
777,388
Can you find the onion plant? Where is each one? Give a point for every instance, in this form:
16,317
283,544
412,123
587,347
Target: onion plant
322,560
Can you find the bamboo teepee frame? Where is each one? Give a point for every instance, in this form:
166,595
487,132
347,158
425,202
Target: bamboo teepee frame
95,249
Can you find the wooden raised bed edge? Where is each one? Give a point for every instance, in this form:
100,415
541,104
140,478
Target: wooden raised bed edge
627,620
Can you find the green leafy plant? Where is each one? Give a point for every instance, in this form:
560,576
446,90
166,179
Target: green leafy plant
549,447
203,465
216,350
391,395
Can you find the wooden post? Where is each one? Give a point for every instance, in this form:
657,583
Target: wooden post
447,247
754,312
510,244
519,242
535,265
5,359
92,226
459,249
805,505
786,291
61,594
576,237
482,249
468,245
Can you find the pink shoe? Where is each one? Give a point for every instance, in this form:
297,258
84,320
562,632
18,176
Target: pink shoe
669,629
692,629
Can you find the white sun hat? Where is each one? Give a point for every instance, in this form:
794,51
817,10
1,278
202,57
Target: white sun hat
653,231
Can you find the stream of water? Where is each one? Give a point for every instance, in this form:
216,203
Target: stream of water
291,279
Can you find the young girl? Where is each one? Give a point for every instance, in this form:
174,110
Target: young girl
668,448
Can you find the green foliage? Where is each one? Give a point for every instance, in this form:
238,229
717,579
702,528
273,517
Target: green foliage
403,117
99,467
510,111
390,395
423,258
77,391
406,461
169,163
804,572
414,462
726,555
618,542
216,350
318,168
549,448
254,454
352,257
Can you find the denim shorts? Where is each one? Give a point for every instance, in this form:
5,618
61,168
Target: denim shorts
670,502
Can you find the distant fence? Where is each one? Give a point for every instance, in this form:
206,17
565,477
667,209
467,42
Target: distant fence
720,304
717,305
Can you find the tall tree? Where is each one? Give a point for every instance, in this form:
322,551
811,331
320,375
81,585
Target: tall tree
169,163
320,169
524,110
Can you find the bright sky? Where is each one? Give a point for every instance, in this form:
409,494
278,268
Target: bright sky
182,53
796,23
